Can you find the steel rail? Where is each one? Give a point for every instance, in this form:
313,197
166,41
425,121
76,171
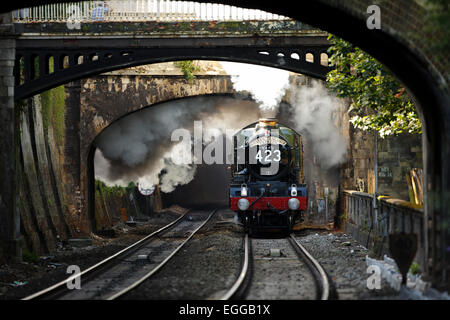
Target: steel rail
244,272
153,271
60,285
318,270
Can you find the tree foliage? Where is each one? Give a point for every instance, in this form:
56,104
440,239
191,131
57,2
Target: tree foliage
379,102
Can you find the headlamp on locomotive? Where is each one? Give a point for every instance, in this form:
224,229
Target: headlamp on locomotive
267,189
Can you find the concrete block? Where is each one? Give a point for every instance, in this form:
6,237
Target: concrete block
6,71
7,63
275,253
7,81
7,53
8,43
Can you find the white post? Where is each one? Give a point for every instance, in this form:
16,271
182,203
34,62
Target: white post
158,9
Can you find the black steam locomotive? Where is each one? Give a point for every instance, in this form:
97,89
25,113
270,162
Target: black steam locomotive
267,189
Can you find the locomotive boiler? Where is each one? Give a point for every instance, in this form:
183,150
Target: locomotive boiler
266,188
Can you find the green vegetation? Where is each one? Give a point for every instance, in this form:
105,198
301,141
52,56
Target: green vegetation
379,102
116,190
188,68
53,110
30,257
130,187
415,269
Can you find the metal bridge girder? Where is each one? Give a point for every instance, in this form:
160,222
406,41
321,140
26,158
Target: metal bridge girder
35,74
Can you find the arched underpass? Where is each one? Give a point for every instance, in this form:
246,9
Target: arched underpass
433,98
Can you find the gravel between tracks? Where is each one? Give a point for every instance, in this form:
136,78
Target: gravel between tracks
204,268
283,277
344,261
52,269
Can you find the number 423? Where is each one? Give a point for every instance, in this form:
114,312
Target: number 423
276,155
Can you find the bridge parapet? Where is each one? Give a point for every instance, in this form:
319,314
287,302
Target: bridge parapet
55,46
163,29
372,225
139,10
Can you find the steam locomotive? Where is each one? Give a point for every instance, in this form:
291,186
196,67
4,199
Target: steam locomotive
266,188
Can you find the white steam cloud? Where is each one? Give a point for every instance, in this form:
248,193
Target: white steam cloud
266,85
139,147
315,109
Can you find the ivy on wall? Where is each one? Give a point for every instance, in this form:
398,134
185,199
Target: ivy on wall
53,109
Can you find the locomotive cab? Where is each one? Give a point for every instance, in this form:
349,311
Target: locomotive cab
266,188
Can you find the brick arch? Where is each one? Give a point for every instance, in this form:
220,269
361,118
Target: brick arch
107,98
129,94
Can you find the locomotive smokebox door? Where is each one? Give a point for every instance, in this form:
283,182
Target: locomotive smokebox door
403,248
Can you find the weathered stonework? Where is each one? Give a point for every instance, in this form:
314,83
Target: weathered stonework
55,181
396,157
129,94
169,28
9,214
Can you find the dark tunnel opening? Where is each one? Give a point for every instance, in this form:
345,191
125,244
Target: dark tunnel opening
208,189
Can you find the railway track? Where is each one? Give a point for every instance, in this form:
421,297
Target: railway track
294,274
127,269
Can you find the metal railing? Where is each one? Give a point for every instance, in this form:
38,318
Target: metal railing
391,216
139,10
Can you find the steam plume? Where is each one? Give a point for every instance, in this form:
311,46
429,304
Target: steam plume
266,85
314,111
138,147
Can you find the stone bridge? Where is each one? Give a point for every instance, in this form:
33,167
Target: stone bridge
125,94
406,43
57,151
50,54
